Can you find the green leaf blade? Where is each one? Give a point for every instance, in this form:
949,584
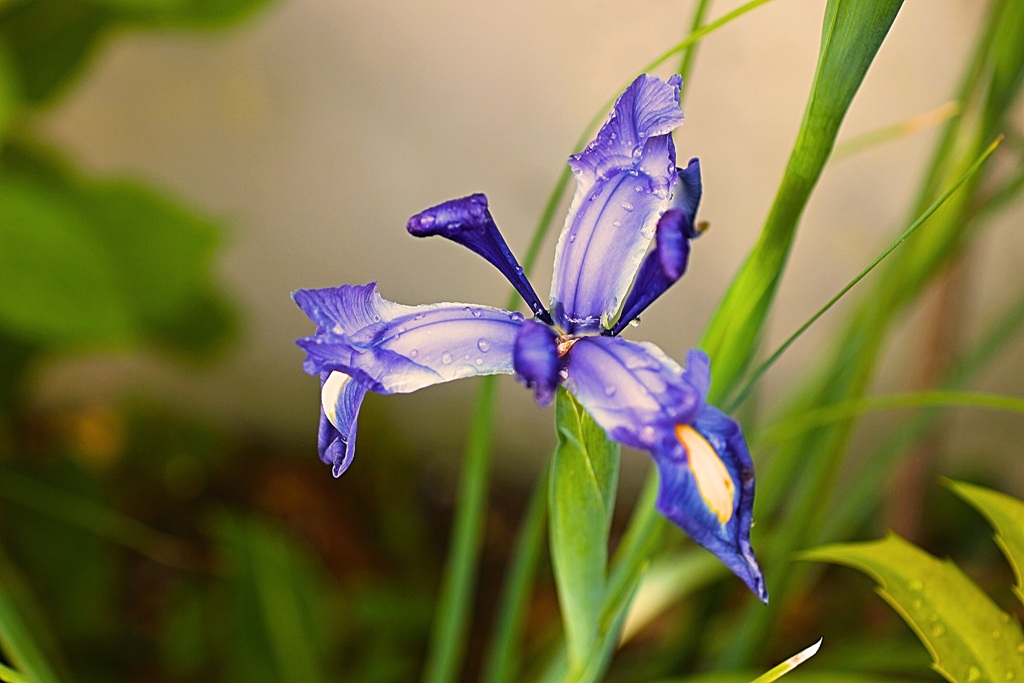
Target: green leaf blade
1006,515
967,635
581,499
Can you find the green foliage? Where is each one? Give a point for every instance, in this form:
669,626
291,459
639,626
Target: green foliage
852,32
583,480
969,637
20,629
1006,515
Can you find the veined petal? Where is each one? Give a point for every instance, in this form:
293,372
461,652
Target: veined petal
468,222
405,348
661,268
630,388
707,489
536,360
340,399
625,181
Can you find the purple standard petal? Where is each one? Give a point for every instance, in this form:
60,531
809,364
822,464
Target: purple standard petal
468,222
660,269
536,360
400,348
340,399
630,388
625,181
707,489
688,194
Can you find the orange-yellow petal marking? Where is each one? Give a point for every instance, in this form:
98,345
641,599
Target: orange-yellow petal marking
713,481
336,381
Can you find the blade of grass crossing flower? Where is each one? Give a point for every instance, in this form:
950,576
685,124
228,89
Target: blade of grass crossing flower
500,664
23,643
968,636
583,479
1006,515
860,276
852,32
451,624
785,667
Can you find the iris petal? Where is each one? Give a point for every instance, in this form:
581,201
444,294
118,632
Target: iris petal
536,360
660,269
629,388
341,398
715,512
625,181
468,222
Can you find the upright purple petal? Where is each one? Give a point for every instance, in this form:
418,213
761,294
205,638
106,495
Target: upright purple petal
629,388
626,179
660,269
536,360
688,194
468,222
707,489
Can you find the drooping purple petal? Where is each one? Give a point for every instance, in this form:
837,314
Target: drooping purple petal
536,360
468,222
707,489
629,388
399,348
625,182
340,399
660,269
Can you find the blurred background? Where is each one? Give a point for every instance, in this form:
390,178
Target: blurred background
172,170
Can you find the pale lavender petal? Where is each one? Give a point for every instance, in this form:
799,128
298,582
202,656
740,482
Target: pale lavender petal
625,181
661,268
340,399
468,222
405,348
629,388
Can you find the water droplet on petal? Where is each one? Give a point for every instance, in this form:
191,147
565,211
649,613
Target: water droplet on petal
572,235
516,317
418,316
477,313
446,358
638,188
376,318
633,172
483,345
635,322
627,206
609,390
617,224
414,353
467,309
479,361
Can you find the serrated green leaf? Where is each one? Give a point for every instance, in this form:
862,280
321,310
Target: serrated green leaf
1006,515
969,638
584,475
21,643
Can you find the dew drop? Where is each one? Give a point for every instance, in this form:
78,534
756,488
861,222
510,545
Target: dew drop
414,353
479,361
918,603
609,390
938,630
572,236
516,317
483,345
638,188
916,585
376,318
418,316
467,309
1009,676
996,635
973,674
617,224
627,206
633,172
446,358
635,322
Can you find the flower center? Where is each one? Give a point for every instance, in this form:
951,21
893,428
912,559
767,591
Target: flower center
564,343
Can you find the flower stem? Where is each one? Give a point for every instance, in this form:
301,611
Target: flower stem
451,623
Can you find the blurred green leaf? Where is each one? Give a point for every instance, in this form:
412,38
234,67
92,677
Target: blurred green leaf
1006,515
8,92
852,32
184,13
104,261
57,282
49,42
277,593
795,677
968,636
19,641
584,475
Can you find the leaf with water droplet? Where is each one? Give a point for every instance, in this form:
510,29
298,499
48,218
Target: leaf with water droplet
968,636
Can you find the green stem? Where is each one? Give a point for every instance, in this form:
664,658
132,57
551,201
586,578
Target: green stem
500,663
11,676
690,56
451,625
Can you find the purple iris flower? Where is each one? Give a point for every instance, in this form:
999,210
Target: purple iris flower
625,241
